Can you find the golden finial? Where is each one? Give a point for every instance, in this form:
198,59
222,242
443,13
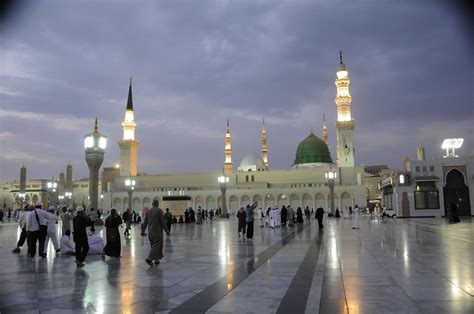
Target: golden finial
96,125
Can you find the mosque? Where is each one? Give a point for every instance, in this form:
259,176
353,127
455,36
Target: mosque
303,184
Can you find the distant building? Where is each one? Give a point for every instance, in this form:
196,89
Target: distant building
428,189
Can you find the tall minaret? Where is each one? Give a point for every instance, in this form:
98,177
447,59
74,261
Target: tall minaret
325,130
69,178
344,123
264,144
228,165
406,162
420,152
62,184
128,144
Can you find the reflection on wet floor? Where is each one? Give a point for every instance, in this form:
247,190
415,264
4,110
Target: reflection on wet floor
404,265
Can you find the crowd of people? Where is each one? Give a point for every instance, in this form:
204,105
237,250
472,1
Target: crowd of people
39,227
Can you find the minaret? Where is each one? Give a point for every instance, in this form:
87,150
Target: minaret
62,184
344,123
128,144
406,162
22,179
69,178
325,130
264,144
420,152
228,165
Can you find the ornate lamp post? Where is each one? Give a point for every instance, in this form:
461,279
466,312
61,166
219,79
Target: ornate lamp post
21,197
130,185
94,145
52,186
68,195
223,180
330,178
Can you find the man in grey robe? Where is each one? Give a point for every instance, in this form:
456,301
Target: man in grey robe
156,223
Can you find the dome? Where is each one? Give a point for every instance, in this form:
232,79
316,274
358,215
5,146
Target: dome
312,150
252,162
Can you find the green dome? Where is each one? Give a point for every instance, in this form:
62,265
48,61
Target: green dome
312,150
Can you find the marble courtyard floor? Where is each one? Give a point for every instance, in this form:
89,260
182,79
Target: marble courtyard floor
391,266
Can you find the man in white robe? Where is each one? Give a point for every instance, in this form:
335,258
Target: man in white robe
66,245
356,218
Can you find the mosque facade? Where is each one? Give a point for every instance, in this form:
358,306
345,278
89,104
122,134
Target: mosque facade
302,184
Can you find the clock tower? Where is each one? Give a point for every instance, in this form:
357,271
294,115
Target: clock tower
345,122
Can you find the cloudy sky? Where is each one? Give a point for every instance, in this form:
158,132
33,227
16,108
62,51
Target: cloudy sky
196,63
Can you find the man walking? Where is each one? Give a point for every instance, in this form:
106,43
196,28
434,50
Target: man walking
169,217
155,222
319,217
250,219
127,218
22,223
80,223
36,229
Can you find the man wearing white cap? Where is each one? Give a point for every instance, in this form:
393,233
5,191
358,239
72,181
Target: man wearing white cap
36,228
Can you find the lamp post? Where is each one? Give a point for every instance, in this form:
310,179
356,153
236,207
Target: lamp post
68,195
21,196
52,186
330,178
61,199
94,145
223,180
130,185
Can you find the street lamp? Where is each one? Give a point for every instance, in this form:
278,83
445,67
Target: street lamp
61,198
94,145
223,180
68,195
21,196
52,186
330,178
130,185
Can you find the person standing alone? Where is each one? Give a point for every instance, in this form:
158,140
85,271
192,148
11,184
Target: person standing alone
113,246
155,222
249,217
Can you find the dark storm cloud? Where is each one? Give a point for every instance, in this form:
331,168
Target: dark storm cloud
196,63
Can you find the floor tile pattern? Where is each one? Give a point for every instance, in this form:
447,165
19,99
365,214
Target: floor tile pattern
388,266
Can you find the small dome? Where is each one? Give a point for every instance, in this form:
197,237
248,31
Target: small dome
312,150
252,162
341,67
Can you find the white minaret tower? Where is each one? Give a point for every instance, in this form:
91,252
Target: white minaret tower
128,144
325,130
344,123
228,165
264,144
420,152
